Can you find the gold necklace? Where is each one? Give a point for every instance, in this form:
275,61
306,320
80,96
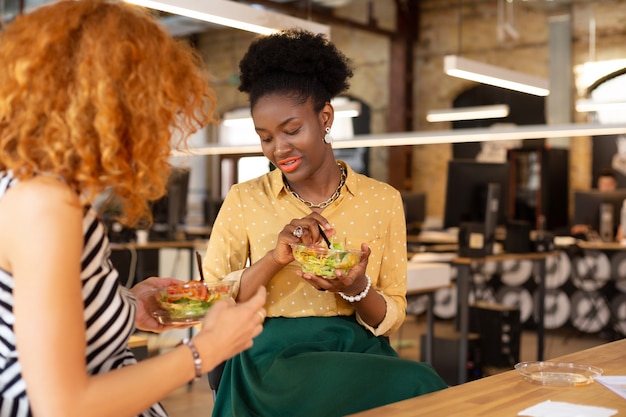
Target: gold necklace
325,203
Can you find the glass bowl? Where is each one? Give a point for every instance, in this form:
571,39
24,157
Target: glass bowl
562,374
188,302
320,260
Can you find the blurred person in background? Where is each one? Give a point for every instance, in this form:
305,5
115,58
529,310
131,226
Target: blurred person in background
607,181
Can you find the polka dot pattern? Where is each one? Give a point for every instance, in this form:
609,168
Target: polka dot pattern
368,211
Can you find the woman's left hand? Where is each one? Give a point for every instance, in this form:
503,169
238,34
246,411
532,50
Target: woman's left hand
143,293
351,283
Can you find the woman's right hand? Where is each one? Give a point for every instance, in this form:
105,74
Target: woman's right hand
309,233
230,328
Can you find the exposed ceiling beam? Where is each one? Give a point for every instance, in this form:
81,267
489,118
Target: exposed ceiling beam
319,14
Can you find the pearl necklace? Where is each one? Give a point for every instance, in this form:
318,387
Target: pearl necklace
325,203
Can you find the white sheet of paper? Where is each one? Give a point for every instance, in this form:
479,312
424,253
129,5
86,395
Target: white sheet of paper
617,384
563,409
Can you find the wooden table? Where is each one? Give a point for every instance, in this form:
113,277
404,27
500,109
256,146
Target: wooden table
462,281
506,394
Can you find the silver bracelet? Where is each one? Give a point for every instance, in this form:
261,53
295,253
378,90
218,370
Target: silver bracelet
197,361
358,297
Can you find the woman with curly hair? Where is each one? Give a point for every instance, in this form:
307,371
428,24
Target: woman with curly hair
91,93
324,350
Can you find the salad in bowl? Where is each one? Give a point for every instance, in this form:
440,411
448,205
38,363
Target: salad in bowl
188,302
323,261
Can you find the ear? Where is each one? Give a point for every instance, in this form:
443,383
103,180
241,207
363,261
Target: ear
327,115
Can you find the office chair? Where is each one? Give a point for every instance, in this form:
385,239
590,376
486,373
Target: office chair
215,376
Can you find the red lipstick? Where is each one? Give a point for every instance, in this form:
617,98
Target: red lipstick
289,164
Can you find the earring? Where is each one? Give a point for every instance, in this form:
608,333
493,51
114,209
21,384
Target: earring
327,137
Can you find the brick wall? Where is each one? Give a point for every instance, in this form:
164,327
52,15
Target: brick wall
471,32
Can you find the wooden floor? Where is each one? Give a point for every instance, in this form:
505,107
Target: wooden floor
197,400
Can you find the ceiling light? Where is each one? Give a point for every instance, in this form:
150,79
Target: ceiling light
457,66
346,108
238,116
468,113
232,14
585,105
440,136
589,73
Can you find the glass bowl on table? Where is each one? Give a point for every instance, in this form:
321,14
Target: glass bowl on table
187,302
561,374
323,261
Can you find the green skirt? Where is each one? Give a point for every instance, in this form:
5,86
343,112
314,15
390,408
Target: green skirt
318,367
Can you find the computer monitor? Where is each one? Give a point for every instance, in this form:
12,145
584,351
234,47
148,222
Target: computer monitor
414,204
467,191
169,212
590,205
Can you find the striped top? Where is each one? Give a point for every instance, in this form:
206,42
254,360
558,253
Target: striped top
109,312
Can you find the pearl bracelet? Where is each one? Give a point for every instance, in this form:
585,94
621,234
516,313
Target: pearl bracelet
358,297
197,361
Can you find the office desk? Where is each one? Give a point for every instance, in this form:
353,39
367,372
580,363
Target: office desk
609,246
598,275
432,242
433,237
189,245
506,394
139,346
462,282
426,278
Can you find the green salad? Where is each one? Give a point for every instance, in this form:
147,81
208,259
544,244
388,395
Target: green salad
191,300
321,261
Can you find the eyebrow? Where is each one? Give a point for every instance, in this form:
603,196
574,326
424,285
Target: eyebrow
280,125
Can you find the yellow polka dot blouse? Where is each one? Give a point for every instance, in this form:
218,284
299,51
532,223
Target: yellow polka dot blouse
254,212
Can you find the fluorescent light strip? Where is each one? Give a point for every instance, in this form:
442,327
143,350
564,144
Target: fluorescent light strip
584,105
232,14
346,109
457,66
236,117
468,113
441,136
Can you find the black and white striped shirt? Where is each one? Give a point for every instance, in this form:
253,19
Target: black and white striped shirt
109,312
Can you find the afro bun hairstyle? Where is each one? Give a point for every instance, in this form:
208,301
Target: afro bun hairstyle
295,62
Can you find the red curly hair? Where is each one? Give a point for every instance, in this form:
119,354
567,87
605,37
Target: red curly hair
94,92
